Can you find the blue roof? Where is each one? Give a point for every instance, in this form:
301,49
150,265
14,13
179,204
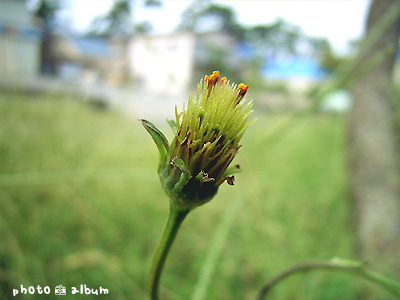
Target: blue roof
292,68
244,50
22,31
31,33
93,46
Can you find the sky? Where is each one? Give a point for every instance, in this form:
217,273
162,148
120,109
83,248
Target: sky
340,21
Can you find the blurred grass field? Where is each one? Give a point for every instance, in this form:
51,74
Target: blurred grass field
80,203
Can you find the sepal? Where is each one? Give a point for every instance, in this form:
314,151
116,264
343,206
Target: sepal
172,124
232,170
184,177
159,138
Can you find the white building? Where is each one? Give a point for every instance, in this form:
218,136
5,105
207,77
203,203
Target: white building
20,38
167,63
162,63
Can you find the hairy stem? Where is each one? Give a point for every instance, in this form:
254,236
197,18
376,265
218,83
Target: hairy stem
338,265
175,219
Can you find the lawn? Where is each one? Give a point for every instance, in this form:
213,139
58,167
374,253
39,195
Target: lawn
80,203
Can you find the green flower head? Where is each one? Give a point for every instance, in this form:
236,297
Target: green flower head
207,135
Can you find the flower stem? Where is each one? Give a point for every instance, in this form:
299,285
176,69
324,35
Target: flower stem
175,219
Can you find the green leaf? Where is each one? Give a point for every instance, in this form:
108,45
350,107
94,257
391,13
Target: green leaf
158,137
212,257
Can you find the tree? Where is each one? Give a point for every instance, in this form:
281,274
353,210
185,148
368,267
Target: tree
205,16
116,22
276,39
322,50
46,11
143,27
373,140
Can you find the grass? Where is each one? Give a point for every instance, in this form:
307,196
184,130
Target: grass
80,203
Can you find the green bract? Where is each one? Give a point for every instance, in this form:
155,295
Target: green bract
207,136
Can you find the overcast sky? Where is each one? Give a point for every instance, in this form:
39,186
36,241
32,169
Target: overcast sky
338,20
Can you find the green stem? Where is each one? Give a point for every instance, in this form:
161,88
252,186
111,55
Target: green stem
336,264
175,219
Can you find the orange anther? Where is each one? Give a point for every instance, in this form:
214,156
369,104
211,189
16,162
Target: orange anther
242,89
212,80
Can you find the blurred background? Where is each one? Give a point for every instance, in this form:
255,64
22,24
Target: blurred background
80,199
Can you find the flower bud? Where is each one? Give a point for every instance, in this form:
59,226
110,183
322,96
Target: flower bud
207,135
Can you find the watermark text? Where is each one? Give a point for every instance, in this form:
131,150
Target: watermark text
60,290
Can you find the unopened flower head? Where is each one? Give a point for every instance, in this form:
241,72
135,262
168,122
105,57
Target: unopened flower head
207,135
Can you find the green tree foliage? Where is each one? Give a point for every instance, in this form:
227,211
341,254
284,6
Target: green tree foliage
143,27
203,16
117,22
154,3
266,41
322,50
46,10
277,38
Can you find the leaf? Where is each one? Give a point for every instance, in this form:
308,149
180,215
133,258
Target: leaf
216,249
158,137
